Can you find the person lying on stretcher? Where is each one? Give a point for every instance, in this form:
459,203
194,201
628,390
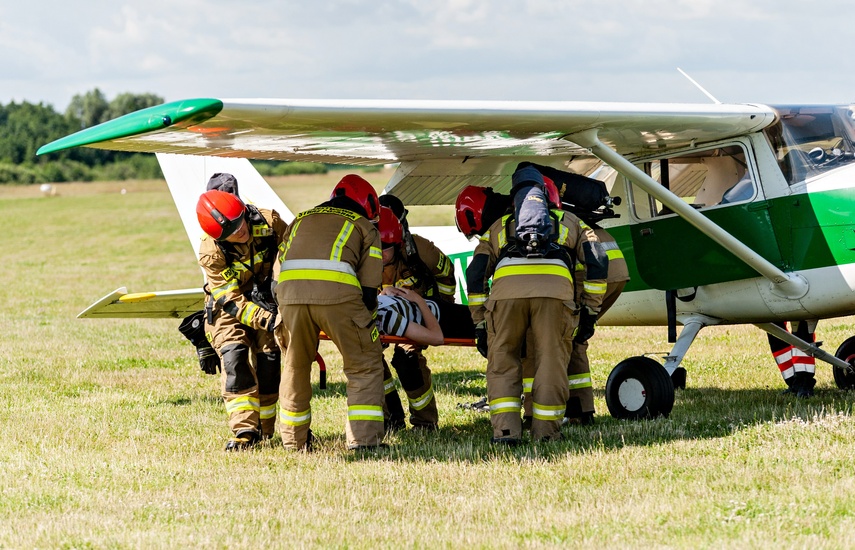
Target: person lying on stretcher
402,312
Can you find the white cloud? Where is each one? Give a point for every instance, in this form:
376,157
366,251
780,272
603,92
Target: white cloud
741,50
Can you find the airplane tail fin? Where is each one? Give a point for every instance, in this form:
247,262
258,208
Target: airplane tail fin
187,177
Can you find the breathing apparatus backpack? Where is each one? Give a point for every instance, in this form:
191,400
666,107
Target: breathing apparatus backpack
533,230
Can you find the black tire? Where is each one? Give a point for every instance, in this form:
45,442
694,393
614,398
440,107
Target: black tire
639,388
845,379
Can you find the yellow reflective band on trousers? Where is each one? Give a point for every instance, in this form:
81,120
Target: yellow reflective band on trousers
421,402
505,405
295,418
594,288
248,313
577,381
343,235
547,412
242,403
371,413
388,385
268,411
527,384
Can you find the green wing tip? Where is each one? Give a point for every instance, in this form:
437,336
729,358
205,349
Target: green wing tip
185,112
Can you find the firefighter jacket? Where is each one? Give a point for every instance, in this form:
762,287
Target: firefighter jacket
421,272
232,270
329,255
618,270
549,277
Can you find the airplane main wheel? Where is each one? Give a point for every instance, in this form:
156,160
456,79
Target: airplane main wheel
845,379
639,388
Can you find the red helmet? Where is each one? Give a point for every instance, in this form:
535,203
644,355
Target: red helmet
360,191
469,208
391,232
552,192
220,214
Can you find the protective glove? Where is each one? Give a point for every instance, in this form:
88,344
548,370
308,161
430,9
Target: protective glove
209,361
193,328
271,322
587,321
481,338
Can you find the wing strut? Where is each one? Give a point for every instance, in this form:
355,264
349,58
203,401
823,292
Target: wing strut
811,349
787,285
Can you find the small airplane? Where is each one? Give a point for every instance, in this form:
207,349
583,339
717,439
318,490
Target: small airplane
726,213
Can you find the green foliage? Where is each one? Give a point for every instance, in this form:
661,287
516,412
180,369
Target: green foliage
130,167
273,168
25,127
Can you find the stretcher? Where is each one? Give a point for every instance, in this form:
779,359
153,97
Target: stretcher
386,340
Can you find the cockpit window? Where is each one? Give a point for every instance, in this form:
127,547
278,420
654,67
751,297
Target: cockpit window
811,140
704,179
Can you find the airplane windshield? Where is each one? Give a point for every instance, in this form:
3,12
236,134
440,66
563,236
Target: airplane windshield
811,140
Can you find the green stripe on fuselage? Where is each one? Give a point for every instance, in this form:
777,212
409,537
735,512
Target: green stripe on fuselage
798,232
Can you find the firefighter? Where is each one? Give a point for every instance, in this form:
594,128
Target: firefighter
237,257
537,294
418,264
580,404
331,267
430,274
797,367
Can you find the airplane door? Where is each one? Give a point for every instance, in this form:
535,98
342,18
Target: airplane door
720,182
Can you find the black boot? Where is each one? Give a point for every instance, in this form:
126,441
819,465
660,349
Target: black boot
243,441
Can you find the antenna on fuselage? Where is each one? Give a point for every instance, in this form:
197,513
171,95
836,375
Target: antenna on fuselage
698,86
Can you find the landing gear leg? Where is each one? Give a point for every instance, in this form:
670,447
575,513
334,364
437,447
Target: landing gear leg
692,325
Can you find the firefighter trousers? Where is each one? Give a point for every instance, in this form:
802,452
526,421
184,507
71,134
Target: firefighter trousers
416,378
581,400
351,328
553,322
250,374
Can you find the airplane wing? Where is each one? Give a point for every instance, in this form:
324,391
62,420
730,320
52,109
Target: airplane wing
441,145
151,305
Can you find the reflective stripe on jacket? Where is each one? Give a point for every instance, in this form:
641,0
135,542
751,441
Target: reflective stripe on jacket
230,276
329,255
514,278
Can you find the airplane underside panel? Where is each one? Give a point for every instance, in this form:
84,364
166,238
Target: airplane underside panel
831,294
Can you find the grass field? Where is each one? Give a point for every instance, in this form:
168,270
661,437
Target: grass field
112,437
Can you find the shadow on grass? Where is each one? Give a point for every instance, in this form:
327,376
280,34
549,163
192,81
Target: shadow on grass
699,413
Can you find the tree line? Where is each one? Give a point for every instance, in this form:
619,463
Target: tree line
24,127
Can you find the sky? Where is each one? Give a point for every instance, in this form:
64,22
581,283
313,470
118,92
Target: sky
741,51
